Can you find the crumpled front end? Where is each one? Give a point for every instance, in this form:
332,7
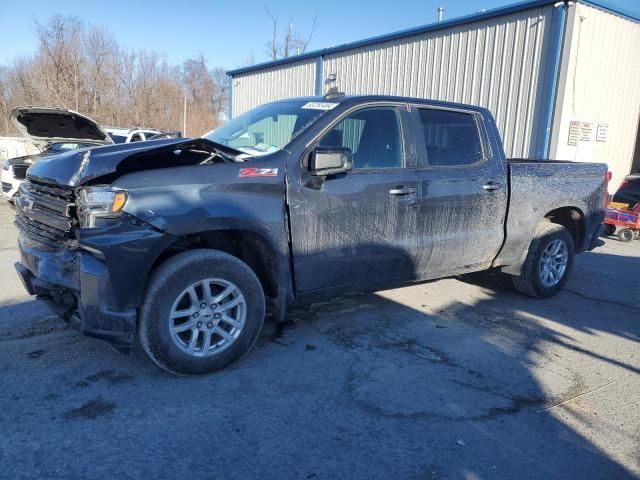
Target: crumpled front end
92,277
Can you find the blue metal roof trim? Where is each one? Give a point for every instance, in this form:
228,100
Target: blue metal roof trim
496,12
612,9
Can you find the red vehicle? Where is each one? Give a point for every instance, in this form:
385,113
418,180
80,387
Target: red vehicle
627,220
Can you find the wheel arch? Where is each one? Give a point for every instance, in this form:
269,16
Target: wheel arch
573,219
253,248
514,252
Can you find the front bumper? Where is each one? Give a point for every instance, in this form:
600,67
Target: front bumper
98,287
78,287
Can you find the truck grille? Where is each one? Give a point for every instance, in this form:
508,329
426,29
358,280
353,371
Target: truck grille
45,214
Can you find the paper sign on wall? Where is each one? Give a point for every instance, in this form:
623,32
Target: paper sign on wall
586,131
574,133
602,132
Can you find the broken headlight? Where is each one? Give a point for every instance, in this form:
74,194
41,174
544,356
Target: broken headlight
98,202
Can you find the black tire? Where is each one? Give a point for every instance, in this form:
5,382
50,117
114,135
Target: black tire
165,287
608,230
529,282
625,235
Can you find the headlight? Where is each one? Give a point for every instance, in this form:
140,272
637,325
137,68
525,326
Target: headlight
98,202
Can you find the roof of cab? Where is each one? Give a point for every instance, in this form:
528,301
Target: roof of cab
352,99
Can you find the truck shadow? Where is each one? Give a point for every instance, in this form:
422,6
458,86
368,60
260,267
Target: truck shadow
370,386
486,369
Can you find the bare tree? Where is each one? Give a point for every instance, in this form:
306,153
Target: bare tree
249,60
101,57
292,42
220,99
4,97
82,67
273,46
206,92
60,42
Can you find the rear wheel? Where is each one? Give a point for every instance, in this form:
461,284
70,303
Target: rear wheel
548,263
203,310
625,235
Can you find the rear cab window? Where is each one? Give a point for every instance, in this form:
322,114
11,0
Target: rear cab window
447,138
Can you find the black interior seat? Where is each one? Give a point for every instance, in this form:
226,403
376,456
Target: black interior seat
380,140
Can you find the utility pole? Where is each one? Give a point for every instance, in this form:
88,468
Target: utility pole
184,117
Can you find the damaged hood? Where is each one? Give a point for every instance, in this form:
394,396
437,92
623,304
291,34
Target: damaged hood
47,125
90,165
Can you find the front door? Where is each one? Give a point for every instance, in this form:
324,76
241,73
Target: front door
357,228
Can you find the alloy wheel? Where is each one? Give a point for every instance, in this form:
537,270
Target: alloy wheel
207,317
553,263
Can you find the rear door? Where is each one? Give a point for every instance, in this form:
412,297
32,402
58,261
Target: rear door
464,191
358,228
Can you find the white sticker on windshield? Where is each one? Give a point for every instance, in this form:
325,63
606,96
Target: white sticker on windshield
320,105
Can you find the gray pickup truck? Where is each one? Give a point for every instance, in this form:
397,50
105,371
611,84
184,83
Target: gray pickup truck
186,245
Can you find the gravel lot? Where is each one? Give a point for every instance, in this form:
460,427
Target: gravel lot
459,378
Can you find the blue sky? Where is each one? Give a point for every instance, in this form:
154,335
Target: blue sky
228,32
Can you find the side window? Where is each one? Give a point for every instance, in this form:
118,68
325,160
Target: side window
135,138
451,138
372,134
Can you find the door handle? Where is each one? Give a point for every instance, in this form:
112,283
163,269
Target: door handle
402,191
490,186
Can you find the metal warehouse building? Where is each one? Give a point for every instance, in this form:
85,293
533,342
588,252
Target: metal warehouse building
561,78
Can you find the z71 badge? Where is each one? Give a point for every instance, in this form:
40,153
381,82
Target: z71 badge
258,172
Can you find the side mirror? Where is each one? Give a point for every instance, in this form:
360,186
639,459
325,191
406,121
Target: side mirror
330,160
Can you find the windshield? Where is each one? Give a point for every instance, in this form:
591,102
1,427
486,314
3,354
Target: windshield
118,138
269,128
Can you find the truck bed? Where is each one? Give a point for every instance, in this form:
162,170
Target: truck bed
538,187
542,160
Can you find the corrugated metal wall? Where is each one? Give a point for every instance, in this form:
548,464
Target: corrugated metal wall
600,85
501,63
283,81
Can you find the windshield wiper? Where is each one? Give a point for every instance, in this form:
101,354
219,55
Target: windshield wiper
229,152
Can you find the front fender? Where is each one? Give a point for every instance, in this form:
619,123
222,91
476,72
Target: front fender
195,204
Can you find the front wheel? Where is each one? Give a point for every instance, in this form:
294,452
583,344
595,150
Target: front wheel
548,263
203,310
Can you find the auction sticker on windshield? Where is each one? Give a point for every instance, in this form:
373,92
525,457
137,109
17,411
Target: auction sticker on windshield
258,172
319,106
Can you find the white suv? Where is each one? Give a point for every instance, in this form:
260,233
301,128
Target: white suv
127,135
